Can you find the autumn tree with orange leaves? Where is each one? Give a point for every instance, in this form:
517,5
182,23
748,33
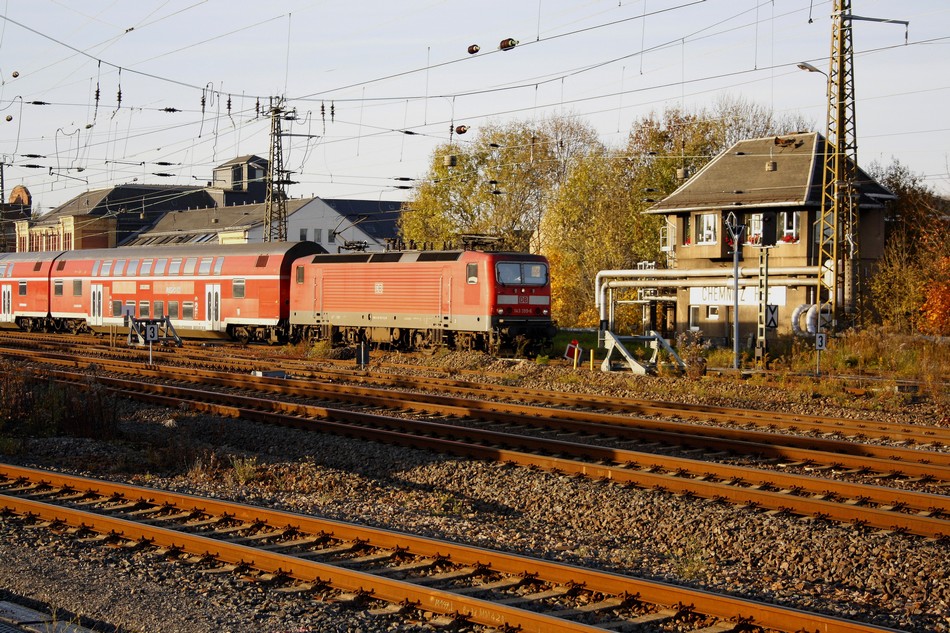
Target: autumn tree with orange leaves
911,288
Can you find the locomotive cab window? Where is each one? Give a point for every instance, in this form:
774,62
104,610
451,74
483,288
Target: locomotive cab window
299,274
471,273
526,273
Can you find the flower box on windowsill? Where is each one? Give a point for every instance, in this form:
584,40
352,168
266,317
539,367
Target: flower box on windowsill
789,239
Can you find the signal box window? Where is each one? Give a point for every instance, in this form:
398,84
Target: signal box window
188,310
172,309
707,225
237,288
58,287
471,272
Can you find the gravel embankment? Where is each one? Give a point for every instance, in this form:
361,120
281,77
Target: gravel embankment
890,580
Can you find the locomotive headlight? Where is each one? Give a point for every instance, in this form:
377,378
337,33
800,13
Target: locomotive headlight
544,312
501,310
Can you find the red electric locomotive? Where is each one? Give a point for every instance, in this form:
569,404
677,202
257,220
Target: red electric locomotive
411,299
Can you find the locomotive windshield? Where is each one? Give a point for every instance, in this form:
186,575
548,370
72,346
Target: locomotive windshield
522,273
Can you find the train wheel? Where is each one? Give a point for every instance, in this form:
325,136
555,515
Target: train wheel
242,336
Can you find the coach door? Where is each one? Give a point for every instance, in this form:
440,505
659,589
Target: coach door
6,303
95,307
213,306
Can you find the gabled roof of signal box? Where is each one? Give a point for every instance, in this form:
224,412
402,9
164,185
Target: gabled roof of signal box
777,171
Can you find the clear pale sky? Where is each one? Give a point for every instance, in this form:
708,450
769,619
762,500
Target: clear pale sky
378,69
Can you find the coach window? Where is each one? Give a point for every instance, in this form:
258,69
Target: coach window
146,267
237,288
205,266
159,309
22,288
119,267
133,268
95,268
175,267
130,307
58,287
116,307
144,310
471,273
172,309
106,268
160,266
188,310
77,287
300,274
218,264
190,265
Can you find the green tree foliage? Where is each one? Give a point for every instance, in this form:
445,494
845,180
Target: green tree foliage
908,289
499,184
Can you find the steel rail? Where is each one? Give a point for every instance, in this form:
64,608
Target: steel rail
746,486
769,419
837,453
442,601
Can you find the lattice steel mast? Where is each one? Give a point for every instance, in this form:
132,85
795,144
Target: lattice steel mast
839,249
275,198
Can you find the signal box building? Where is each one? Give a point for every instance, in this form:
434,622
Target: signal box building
773,186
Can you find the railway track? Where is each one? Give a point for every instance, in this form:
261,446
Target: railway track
774,422
390,573
291,403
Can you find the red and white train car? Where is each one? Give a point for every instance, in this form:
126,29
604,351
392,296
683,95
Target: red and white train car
466,299
238,290
25,289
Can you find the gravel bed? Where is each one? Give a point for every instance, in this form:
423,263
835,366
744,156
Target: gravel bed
890,580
